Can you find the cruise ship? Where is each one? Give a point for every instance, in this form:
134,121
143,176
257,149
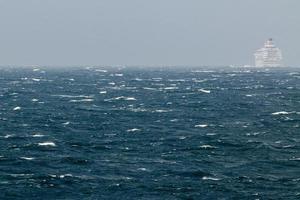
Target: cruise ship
268,56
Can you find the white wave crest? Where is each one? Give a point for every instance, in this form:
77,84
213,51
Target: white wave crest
201,126
210,178
207,146
17,108
133,130
27,158
204,91
282,113
52,144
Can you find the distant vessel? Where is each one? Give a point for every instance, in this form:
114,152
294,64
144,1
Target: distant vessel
268,56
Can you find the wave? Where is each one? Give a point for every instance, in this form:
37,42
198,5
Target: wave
52,144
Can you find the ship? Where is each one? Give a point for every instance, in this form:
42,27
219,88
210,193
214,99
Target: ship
268,56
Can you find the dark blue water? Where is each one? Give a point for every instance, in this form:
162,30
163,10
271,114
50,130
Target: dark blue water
130,133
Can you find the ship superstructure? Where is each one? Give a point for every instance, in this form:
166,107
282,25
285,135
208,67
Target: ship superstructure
268,56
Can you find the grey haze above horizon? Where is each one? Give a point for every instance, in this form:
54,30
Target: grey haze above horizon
140,32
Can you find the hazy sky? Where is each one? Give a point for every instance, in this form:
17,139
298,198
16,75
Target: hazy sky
149,32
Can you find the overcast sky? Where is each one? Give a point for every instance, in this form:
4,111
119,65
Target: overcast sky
148,32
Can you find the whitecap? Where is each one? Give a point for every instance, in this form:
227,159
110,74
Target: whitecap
133,130
20,175
73,96
294,73
38,135
122,98
102,92
199,81
201,126
101,70
288,146
66,123
81,100
65,175
158,84
210,134
281,113
254,133
204,91
295,159
142,169
148,88
52,144
161,111
210,178
207,146
138,110
8,136
130,99
27,158
176,80
34,100
36,79
170,88
17,108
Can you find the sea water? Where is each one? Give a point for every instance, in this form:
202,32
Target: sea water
149,133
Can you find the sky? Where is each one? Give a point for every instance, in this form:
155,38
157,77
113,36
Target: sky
146,32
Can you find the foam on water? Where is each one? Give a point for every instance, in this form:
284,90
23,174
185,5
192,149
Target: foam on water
81,100
204,91
121,98
207,146
16,108
170,88
27,158
38,135
52,144
210,178
133,130
73,96
8,136
201,125
281,113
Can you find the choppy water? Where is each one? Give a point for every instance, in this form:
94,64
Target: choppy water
129,133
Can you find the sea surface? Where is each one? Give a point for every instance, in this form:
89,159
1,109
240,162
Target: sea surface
149,133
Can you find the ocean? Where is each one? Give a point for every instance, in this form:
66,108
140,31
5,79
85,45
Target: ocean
149,133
